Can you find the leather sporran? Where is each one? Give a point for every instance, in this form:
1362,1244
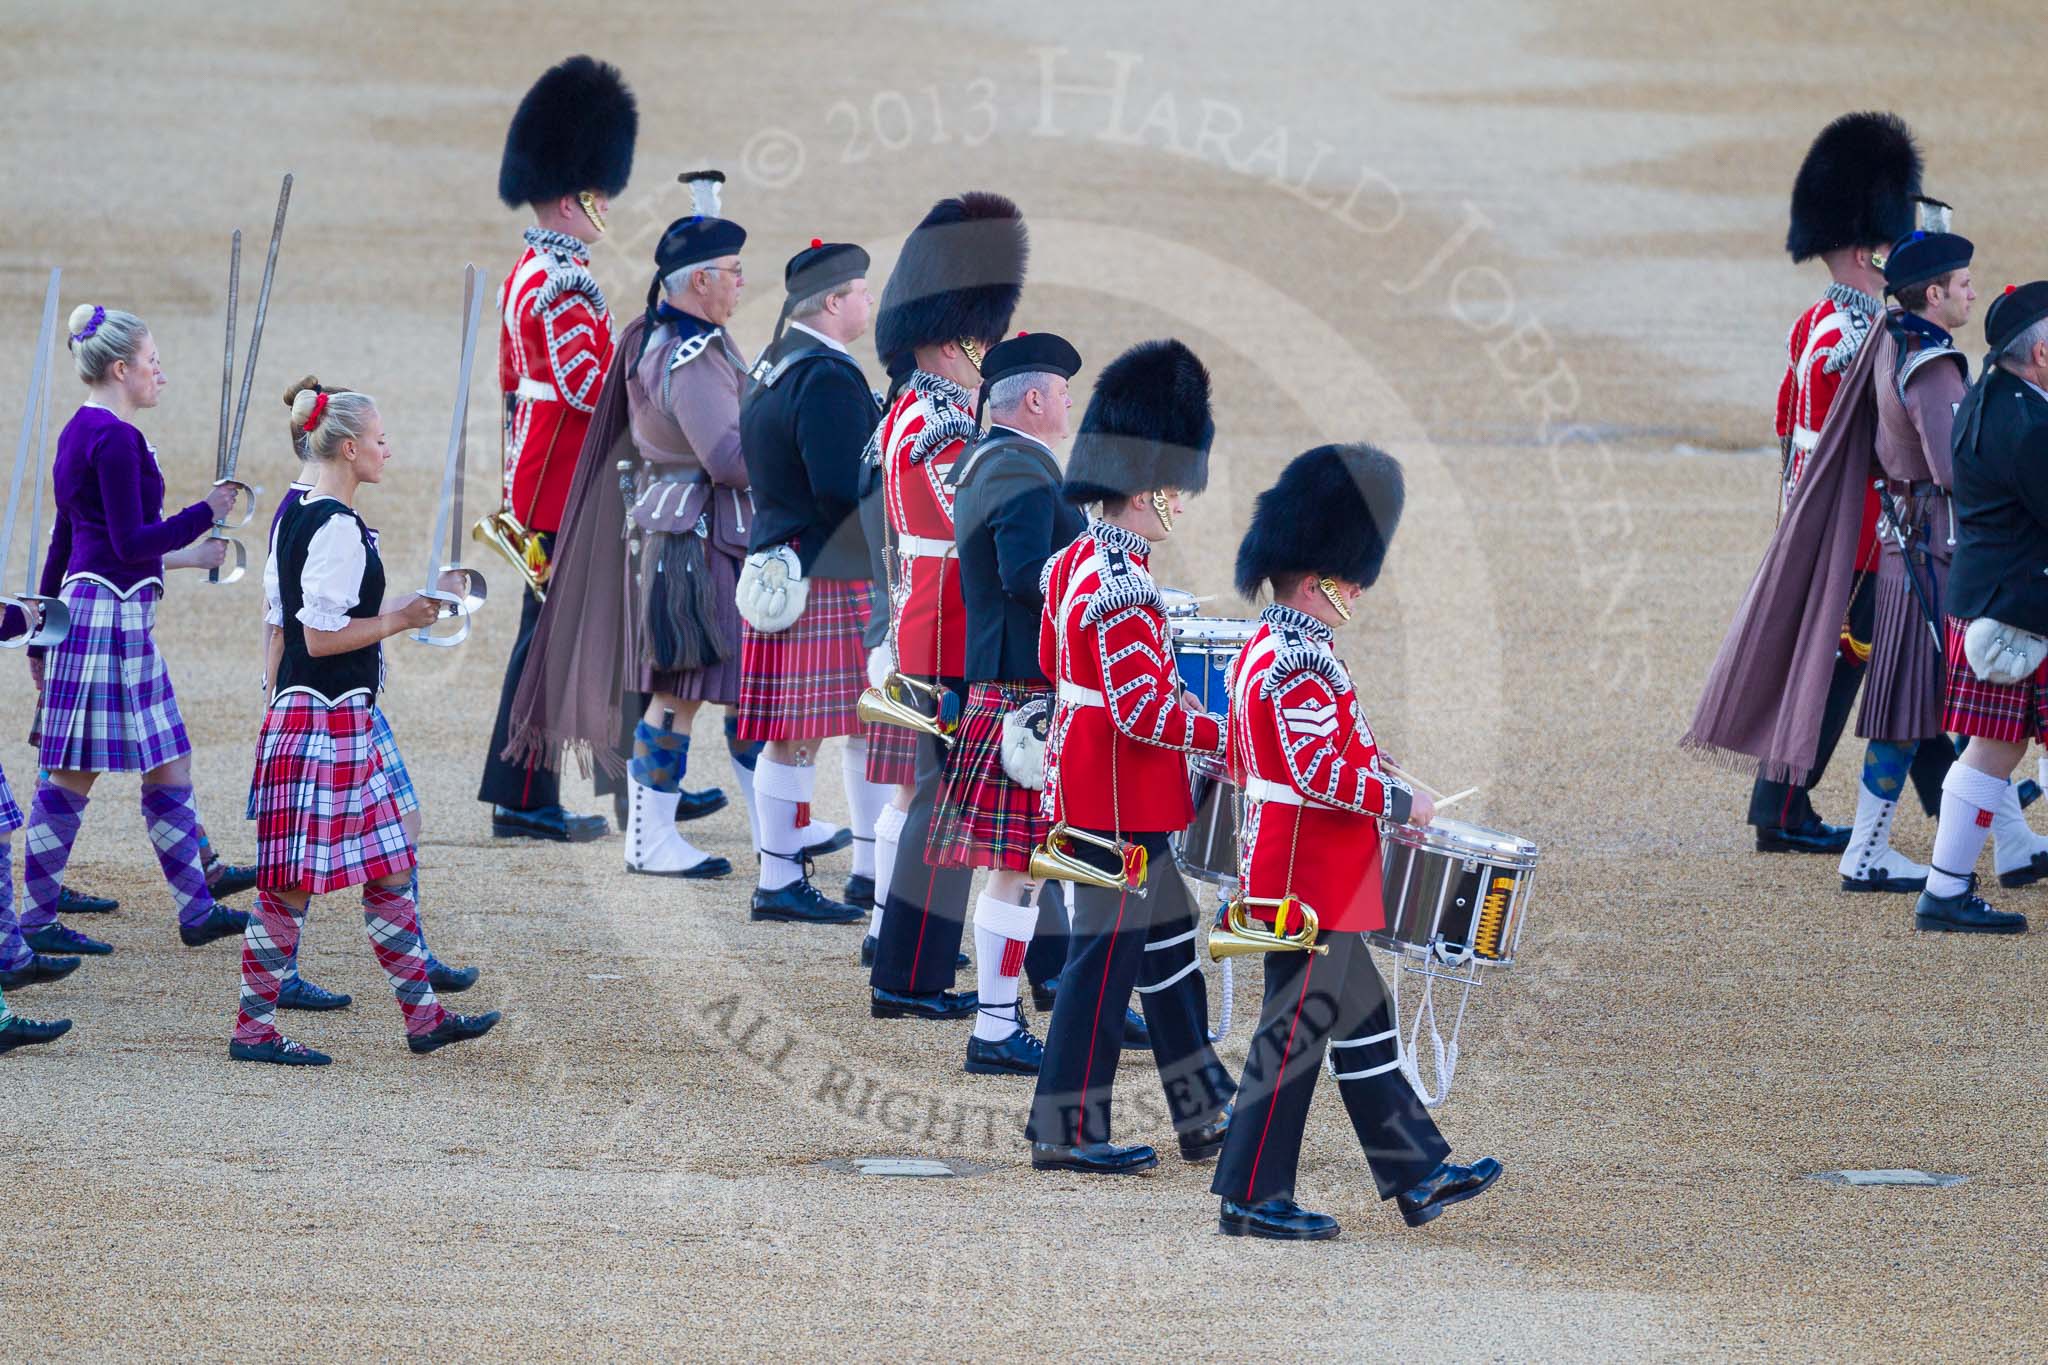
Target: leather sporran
683,632
1024,733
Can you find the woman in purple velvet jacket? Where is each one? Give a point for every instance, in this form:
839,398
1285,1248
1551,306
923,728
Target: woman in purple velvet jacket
106,701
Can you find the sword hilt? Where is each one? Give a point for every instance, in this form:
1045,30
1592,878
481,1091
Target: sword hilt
453,608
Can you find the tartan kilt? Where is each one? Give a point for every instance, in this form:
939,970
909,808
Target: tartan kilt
394,767
802,683
327,816
107,704
10,814
892,755
2012,712
983,818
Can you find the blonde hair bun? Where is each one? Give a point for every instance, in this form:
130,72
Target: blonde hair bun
302,405
80,316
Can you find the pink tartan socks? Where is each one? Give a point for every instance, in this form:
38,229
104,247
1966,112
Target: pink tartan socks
269,945
173,823
1002,934
1968,800
394,926
52,828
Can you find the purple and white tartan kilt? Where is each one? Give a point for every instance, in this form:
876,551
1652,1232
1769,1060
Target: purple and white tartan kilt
327,816
802,683
10,814
2012,712
107,704
394,767
892,755
983,818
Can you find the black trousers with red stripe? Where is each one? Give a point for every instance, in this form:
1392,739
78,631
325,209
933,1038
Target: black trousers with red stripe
927,910
1122,943
1337,1003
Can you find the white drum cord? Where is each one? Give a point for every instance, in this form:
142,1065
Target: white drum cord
1443,1052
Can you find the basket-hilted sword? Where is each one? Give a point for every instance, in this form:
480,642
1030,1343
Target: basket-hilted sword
45,620
455,605
1901,537
229,450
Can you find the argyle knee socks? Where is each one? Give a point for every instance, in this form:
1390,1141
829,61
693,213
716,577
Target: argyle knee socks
270,944
53,823
173,823
394,927
14,950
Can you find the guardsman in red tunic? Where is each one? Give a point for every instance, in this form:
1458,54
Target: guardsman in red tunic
568,151
1305,760
1116,769
948,301
1854,197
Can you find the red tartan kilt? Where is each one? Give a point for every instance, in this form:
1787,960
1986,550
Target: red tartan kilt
327,814
892,755
803,682
2011,712
983,818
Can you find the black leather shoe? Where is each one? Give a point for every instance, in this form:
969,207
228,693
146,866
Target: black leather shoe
1202,1144
1282,1220
220,922
1885,882
1964,913
55,937
546,822
802,903
867,950
1445,1186
38,969
1017,1055
696,805
860,890
938,1005
1042,993
224,879
1137,1036
20,1032
455,1028
2028,875
297,993
1095,1158
838,839
449,980
1811,837
278,1052
71,902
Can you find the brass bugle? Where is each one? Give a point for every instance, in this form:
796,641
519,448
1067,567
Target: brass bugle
1055,860
521,548
885,705
1239,933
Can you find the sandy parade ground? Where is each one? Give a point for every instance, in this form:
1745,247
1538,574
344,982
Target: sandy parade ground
1533,249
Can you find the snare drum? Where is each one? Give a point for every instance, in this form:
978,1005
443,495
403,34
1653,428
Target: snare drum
1454,891
1203,647
1179,602
1207,849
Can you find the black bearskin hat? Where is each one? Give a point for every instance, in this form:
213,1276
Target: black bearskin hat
1857,186
958,278
1147,426
573,132
1332,513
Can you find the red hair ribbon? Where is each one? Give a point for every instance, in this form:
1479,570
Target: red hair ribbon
319,407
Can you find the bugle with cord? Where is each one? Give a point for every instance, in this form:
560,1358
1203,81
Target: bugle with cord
1058,860
888,705
1294,928
522,548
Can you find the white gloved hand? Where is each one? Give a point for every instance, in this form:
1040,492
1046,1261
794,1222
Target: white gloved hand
881,664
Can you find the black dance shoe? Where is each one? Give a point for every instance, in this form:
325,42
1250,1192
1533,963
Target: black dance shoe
1094,1158
1445,1186
696,805
860,890
20,1032
546,822
802,903
454,1028
1017,1055
1043,992
1964,913
449,980
1282,1220
831,843
220,922
224,879
59,938
1202,1144
1811,837
71,902
937,1005
279,1051
38,969
297,993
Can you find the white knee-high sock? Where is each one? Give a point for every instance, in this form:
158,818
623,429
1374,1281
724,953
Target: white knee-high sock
1968,800
866,800
743,778
2014,844
1002,932
783,792
888,830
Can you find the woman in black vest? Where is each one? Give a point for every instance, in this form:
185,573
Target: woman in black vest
327,815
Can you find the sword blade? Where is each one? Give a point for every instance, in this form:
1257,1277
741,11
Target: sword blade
227,359
35,502
469,303
472,320
37,387
284,199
